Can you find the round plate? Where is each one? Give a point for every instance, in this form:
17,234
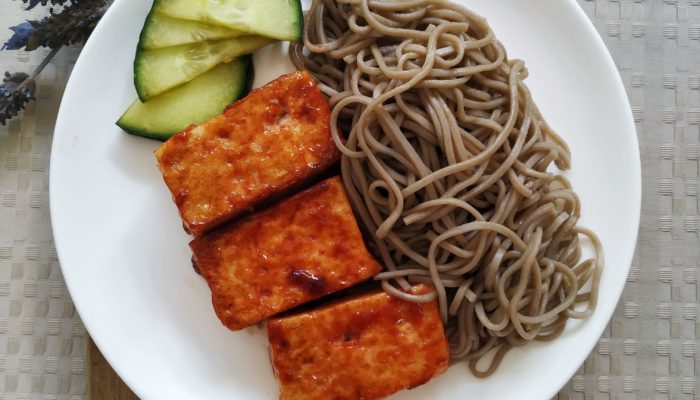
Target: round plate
126,260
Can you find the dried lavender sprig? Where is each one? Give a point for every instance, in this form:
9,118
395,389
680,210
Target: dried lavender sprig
18,89
15,92
34,3
73,24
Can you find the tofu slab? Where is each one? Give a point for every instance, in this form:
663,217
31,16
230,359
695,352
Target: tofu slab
295,251
366,347
272,141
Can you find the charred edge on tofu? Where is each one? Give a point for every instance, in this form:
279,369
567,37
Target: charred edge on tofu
285,193
360,289
195,266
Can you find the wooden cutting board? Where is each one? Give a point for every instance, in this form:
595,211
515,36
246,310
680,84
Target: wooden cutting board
103,382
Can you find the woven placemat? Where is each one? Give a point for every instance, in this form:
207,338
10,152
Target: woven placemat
42,341
649,349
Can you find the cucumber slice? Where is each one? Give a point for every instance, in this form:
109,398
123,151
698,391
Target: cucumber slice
198,100
159,70
162,31
278,19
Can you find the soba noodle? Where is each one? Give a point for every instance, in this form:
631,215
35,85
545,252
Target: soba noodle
447,162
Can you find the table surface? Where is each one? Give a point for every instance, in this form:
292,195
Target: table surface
649,349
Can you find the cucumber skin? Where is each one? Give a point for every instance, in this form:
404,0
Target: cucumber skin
137,66
163,136
139,46
299,24
146,22
300,20
250,77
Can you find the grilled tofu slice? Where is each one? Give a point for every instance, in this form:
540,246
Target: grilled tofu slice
295,251
365,348
265,145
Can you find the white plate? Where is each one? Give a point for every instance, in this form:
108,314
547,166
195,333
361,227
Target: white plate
127,264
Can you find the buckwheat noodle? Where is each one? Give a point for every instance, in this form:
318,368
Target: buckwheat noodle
447,162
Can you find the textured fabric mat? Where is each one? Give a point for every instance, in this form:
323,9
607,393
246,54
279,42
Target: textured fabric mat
42,341
648,351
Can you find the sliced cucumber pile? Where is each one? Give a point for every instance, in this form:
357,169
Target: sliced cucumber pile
278,19
196,101
159,70
163,31
192,59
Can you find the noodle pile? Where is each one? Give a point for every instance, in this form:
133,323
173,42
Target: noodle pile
447,162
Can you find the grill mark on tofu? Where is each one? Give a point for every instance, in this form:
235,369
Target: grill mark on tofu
295,251
272,142
366,347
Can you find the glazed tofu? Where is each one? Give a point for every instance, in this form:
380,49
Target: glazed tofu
265,145
364,348
295,251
